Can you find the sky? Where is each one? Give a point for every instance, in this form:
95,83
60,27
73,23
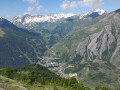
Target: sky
11,8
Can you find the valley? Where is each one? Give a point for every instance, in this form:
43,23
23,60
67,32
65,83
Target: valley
85,46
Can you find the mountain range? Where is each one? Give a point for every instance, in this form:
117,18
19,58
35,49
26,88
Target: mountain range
87,45
32,21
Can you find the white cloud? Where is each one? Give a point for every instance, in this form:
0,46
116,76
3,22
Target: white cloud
38,8
32,1
30,9
91,3
66,4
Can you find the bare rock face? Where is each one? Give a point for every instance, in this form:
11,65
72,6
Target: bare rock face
105,44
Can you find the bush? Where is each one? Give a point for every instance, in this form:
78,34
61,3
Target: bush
6,72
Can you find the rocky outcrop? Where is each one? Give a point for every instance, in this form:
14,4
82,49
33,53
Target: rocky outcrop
105,44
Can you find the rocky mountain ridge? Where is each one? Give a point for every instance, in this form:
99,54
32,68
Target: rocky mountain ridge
104,45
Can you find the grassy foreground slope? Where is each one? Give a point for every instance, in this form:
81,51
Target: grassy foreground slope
36,76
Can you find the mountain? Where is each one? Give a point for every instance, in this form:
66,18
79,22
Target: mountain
93,13
49,21
31,20
4,23
104,44
25,19
72,38
97,40
85,46
89,40
18,46
56,26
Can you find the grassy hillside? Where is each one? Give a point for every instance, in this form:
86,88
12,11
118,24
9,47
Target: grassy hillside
42,73
19,47
36,76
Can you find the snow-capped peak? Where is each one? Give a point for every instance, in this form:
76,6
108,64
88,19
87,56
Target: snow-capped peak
36,18
26,19
98,11
1,18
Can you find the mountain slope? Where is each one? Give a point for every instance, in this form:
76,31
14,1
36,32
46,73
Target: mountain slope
103,45
97,73
42,73
21,76
18,46
92,40
97,40
65,49
37,77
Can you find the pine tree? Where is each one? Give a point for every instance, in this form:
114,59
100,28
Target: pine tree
72,81
32,77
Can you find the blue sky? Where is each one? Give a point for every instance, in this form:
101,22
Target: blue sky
11,8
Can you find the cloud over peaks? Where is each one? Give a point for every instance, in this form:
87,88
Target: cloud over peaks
38,8
67,4
91,3
34,3
30,9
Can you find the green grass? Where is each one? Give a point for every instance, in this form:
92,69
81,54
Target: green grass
46,87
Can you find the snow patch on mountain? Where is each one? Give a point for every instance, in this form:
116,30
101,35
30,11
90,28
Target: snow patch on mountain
98,11
26,19
1,18
36,18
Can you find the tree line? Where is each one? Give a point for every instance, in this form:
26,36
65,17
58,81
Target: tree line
33,76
